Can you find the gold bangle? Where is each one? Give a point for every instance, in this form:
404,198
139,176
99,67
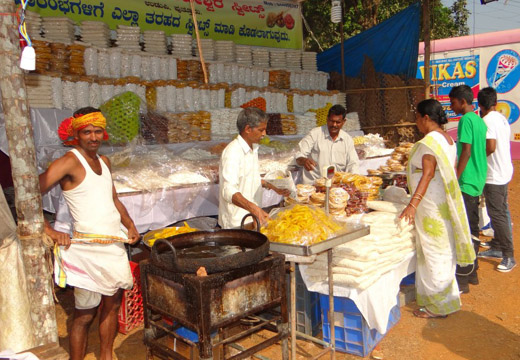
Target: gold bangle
419,195
412,205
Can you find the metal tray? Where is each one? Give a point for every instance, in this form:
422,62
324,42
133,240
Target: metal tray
352,233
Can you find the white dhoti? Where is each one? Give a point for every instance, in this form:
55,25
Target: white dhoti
102,268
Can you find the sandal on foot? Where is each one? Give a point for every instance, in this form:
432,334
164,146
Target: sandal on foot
423,313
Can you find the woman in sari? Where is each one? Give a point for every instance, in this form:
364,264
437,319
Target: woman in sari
443,237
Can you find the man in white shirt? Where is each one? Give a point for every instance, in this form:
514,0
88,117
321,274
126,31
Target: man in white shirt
500,172
239,172
327,145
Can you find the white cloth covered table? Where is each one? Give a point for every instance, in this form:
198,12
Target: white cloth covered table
377,300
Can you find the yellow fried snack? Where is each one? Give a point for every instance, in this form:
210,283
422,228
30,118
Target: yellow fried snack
300,225
171,231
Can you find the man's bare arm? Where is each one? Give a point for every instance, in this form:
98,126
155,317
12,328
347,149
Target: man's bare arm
491,146
240,201
59,169
464,158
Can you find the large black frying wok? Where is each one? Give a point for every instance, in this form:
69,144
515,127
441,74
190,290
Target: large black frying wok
179,253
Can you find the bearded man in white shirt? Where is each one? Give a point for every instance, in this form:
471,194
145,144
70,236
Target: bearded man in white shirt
327,145
239,172
500,172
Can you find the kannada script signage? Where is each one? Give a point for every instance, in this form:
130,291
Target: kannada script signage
250,22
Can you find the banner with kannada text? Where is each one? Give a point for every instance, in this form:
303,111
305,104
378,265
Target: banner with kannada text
248,22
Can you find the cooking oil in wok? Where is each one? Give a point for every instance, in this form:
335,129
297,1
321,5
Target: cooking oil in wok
210,251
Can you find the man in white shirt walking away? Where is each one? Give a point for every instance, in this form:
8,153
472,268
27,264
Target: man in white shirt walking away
500,172
239,172
327,145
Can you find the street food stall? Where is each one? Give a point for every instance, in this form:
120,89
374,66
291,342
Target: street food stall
170,110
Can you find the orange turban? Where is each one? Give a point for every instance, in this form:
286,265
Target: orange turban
78,122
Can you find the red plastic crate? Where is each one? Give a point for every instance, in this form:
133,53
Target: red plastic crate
131,311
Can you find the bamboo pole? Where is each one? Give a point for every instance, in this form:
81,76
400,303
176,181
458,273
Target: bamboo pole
201,56
342,35
19,132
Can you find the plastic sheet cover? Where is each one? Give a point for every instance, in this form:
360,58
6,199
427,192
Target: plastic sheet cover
15,308
400,36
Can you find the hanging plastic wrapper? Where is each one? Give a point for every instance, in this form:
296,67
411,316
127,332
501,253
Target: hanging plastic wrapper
103,63
196,96
69,93
212,71
228,76
247,75
82,93
221,73
57,92
94,95
163,67
213,95
172,68
171,92
146,67
91,61
135,70
126,64
188,98
115,62
155,73
162,98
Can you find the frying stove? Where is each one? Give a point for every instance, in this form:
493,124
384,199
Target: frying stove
216,302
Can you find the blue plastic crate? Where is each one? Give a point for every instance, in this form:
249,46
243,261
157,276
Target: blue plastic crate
191,335
188,334
354,336
409,279
308,313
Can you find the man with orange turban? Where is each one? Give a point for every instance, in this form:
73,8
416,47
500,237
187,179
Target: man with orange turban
94,260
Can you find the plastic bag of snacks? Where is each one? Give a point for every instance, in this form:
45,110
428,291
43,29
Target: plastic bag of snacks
122,113
300,225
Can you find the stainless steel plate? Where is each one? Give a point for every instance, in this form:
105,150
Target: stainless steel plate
353,232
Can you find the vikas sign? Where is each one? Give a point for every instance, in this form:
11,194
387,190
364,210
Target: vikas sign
445,74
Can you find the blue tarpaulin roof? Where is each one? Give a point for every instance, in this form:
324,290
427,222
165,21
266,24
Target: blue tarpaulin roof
392,45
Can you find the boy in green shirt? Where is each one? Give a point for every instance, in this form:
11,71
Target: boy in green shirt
471,170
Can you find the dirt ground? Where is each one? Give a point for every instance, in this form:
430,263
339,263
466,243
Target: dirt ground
487,327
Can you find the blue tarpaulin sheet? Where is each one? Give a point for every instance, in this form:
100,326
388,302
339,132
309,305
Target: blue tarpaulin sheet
392,45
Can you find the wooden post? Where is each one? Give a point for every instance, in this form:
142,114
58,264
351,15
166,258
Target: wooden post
426,37
342,47
19,132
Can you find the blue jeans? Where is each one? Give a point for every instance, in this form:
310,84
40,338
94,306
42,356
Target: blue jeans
498,211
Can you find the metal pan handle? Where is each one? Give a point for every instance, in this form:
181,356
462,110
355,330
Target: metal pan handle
155,255
255,220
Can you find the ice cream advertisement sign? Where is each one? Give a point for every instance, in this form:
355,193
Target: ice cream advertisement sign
509,109
503,71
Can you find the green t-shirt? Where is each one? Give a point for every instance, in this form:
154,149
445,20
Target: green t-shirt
472,130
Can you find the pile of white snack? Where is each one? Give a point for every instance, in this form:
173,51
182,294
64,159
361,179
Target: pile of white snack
361,262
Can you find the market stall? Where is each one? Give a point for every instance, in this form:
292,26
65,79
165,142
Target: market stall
171,105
